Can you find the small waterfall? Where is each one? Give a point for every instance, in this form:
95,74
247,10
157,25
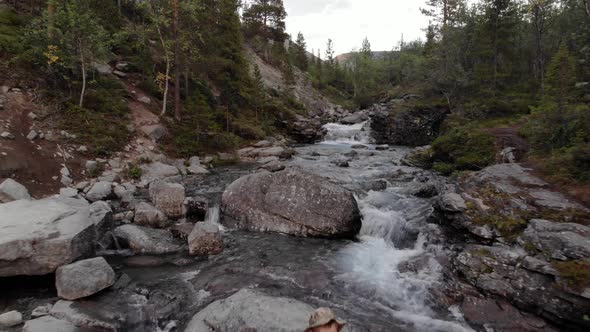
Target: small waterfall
347,134
212,216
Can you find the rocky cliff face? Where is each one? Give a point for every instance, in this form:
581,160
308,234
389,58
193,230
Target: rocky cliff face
400,125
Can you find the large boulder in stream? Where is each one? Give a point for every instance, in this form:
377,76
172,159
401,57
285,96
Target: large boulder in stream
407,126
37,237
291,202
250,310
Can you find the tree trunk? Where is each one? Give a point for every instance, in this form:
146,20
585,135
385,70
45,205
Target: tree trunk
177,108
50,17
166,85
167,78
83,66
587,7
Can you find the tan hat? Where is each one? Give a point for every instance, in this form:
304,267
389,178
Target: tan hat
323,316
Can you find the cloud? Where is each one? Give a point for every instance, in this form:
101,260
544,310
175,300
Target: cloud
348,22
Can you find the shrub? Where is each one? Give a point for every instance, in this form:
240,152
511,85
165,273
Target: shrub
102,123
463,149
134,172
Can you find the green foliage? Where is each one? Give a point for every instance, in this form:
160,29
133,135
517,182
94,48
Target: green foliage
10,30
102,123
463,149
576,273
265,18
301,60
134,172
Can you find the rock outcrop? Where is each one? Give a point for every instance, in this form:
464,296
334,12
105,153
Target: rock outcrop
150,216
292,202
250,310
406,126
83,278
37,237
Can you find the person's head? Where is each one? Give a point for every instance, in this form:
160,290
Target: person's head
324,320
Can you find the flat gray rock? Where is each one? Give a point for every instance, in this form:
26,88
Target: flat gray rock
99,191
250,309
157,171
143,240
83,278
49,324
37,237
559,240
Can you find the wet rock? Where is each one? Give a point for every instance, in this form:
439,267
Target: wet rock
292,202
273,166
10,319
157,171
42,310
253,310
407,126
376,185
71,312
196,207
154,132
144,261
559,240
355,118
359,146
100,191
37,237
11,190
49,324
205,239
195,166
144,240
83,278
168,197
382,147
452,202
424,190
150,216
500,316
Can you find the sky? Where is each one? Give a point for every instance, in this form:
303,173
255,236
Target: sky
348,22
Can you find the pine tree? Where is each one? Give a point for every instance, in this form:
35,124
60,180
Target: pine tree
366,49
266,18
259,90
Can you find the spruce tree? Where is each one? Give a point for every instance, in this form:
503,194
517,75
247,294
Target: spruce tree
301,60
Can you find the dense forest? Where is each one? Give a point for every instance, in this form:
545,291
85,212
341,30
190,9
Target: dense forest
495,62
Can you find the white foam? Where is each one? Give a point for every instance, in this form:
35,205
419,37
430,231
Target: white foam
346,134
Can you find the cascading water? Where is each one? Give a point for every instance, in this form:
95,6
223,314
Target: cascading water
346,134
394,233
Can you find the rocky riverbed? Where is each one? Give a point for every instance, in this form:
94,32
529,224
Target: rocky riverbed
344,224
